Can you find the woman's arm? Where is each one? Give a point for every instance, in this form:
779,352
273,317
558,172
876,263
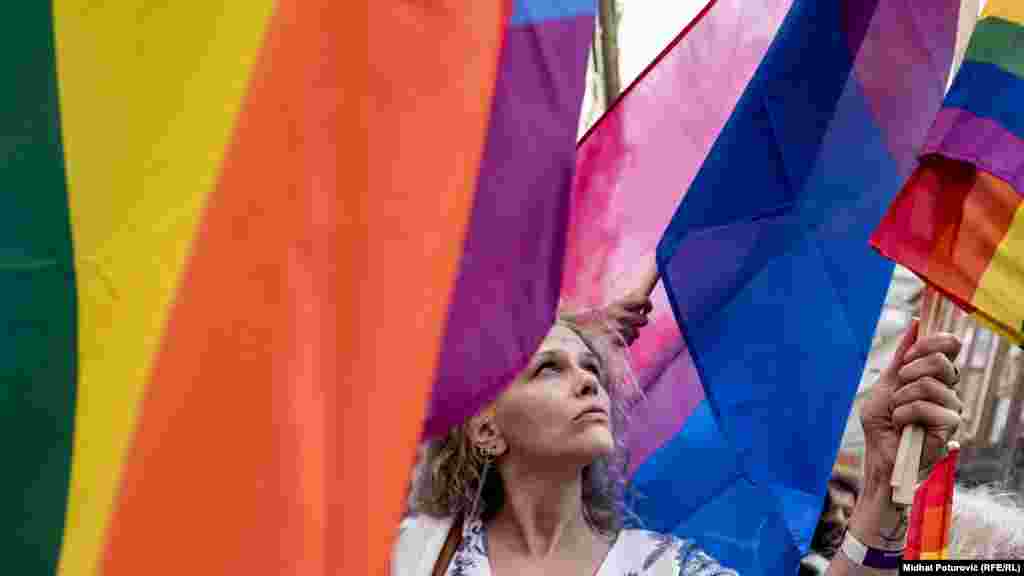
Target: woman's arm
917,388
628,313
876,522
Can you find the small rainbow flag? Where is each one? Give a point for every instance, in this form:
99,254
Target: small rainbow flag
958,221
932,512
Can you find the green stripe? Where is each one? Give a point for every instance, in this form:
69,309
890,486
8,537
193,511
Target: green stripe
37,297
1000,43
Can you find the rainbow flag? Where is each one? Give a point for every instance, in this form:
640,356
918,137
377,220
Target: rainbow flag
958,221
932,512
203,301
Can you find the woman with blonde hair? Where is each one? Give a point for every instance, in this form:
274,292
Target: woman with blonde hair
533,483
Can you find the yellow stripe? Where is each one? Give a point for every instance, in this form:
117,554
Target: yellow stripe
149,91
940,555
1000,293
1000,329
1011,10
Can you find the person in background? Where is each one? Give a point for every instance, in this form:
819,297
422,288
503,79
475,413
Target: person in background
987,524
840,500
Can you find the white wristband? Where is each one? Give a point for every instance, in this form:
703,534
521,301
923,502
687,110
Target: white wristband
863,555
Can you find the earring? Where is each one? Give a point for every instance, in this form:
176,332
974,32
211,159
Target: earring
487,453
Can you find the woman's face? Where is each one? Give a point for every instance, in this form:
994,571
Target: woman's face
557,407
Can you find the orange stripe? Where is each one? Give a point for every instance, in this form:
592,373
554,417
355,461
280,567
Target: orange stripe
933,529
948,222
930,517
431,82
998,295
228,458
961,257
974,228
286,402
946,225
928,533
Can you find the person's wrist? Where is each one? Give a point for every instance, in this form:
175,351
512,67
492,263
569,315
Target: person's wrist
877,521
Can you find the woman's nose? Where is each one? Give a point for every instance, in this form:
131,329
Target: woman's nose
586,384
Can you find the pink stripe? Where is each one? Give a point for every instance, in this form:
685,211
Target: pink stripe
632,170
961,135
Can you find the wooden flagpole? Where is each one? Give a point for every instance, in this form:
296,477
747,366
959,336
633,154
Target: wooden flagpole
908,456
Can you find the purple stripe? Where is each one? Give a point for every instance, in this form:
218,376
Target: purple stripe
673,392
511,269
961,135
902,52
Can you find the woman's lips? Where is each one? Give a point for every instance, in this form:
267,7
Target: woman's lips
592,415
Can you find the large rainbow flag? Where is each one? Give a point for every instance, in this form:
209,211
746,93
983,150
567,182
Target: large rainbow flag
777,132
958,220
932,512
203,301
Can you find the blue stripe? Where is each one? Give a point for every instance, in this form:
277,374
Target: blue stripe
712,502
770,275
990,92
538,11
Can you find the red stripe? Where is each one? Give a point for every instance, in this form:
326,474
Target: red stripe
946,223
932,509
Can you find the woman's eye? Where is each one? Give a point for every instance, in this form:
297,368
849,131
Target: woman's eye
546,368
593,369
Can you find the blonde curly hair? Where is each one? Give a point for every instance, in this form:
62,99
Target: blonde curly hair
453,479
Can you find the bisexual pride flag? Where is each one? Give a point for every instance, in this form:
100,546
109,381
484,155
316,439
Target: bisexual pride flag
756,155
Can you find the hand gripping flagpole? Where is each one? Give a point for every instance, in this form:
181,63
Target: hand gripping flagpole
908,456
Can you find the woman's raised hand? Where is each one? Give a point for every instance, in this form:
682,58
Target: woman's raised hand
629,313
918,388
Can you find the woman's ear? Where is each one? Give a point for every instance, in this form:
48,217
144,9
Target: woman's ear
485,435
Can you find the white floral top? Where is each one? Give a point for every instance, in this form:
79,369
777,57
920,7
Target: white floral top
635,553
